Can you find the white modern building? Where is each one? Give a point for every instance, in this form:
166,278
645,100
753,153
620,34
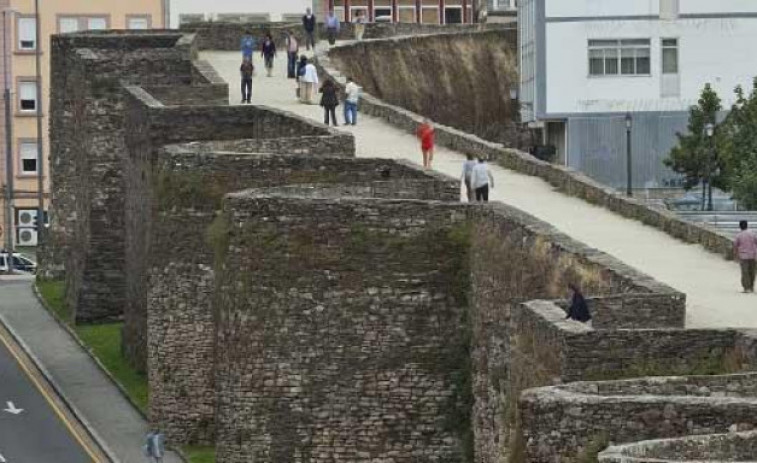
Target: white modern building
586,64
236,10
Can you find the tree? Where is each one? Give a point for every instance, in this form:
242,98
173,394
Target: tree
694,156
739,147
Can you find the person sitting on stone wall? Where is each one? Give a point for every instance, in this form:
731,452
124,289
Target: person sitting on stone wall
579,309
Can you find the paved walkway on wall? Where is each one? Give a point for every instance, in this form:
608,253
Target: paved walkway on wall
711,283
79,379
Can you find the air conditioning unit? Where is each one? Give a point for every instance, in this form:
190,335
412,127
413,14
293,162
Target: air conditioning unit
27,237
27,218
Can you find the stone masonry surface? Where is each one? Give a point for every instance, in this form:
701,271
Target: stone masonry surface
350,309
560,422
423,74
741,447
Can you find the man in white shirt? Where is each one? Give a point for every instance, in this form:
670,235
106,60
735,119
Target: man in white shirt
309,80
352,96
482,180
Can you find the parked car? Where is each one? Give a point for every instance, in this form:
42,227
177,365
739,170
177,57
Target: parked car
20,263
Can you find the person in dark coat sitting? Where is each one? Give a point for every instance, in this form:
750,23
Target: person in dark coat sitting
329,101
579,309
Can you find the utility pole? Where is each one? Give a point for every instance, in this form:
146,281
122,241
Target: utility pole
8,144
40,151
709,130
629,163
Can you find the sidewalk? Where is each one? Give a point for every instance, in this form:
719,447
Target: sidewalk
106,412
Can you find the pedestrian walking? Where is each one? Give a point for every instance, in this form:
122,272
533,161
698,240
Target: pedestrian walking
467,177
359,24
155,446
300,71
745,250
293,47
308,24
332,27
268,52
351,99
246,71
329,102
425,134
482,180
309,80
579,309
247,45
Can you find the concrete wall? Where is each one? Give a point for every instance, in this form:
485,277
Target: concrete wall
425,73
373,365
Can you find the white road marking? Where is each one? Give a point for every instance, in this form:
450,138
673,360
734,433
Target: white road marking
13,410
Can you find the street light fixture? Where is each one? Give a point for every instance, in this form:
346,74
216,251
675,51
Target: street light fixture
629,174
709,130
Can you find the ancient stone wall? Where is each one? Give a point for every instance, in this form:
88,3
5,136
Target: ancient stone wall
173,195
733,447
573,420
347,344
424,73
563,178
87,144
516,258
215,35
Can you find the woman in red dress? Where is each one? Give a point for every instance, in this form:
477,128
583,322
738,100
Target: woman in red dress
425,133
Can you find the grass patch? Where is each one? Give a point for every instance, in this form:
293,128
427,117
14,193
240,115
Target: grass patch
200,454
105,342
53,292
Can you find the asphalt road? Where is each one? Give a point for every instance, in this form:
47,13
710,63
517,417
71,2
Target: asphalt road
42,431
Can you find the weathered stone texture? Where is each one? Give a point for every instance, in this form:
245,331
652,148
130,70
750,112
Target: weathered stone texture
170,311
424,73
733,447
87,144
564,420
563,178
516,258
345,344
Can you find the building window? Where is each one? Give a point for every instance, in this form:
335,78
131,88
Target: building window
406,11
628,57
97,24
137,22
27,96
670,56
28,157
382,10
669,9
68,24
27,33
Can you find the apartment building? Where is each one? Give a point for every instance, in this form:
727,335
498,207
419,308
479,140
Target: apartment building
409,11
19,34
591,70
182,11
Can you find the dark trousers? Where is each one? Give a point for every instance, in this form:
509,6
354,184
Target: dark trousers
246,89
748,267
291,63
482,193
331,35
310,39
329,111
268,61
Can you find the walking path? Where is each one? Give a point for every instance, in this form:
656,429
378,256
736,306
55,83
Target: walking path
710,282
84,385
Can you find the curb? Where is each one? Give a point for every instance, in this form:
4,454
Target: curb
111,378
58,390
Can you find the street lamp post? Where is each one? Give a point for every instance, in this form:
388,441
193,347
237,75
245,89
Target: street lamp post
709,131
629,173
